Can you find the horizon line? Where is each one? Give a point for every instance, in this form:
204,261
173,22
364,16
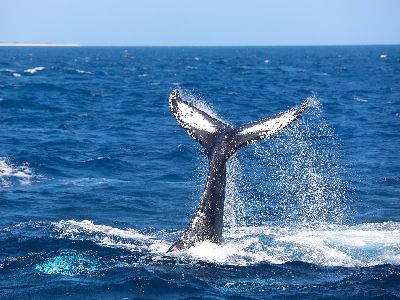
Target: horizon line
22,44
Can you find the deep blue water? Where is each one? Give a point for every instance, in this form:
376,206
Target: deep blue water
97,179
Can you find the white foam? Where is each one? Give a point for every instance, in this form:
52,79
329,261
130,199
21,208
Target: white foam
82,71
13,72
34,70
110,236
362,245
361,100
9,173
71,227
210,252
383,56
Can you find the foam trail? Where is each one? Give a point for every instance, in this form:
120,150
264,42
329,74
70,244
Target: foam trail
72,228
109,236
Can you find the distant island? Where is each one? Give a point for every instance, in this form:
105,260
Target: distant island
2,44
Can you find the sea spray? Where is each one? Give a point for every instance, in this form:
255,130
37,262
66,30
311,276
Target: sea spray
234,215
290,179
302,173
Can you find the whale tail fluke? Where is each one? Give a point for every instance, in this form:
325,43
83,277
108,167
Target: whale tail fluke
197,123
255,131
207,129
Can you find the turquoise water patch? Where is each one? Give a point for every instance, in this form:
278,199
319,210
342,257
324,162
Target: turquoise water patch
70,263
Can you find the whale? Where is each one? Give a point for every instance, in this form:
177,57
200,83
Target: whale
220,141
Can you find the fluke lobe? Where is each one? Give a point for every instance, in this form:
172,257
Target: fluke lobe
220,141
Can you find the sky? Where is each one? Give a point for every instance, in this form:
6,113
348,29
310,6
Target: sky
201,22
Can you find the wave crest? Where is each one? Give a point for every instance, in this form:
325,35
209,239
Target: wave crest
362,245
10,174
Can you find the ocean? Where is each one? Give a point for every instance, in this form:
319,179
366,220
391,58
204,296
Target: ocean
97,179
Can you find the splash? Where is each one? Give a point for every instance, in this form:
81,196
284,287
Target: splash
362,245
234,214
293,178
298,175
10,174
72,229
108,236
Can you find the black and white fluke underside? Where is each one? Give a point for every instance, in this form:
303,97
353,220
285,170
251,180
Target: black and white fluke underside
220,141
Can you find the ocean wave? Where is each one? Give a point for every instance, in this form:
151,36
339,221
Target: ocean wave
129,239
10,71
79,71
362,245
82,71
90,181
10,173
6,70
34,70
360,99
70,228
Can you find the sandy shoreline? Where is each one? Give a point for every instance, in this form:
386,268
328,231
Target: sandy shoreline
36,45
